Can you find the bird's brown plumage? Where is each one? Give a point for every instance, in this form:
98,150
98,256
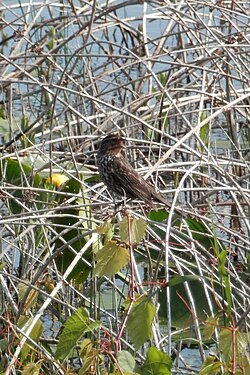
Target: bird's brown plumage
119,176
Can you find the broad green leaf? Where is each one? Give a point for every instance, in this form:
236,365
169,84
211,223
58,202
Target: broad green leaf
157,363
211,366
240,344
110,259
126,361
200,232
175,280
140,319
210,325
18,174
159,215
132,230
74,327
31,369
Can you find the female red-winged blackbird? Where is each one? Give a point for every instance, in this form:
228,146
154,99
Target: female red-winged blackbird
119,176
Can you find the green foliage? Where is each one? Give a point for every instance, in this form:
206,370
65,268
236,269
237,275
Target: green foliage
107,229
199,232
74,328
204,133
211,366
176,280
222,258
159,215
233,340
32,297
233,348
132,230
69,233
31,369
87,354
4,116
35,335
110,259
180,313
51,36
157,363
210,325
143,310
126,361
18,174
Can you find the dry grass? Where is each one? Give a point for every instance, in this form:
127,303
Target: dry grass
173,77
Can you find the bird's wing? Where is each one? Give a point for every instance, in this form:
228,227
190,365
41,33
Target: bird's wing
130,181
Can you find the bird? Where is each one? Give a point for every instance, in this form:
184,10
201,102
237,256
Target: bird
118,174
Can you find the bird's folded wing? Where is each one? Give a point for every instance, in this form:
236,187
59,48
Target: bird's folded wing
131,182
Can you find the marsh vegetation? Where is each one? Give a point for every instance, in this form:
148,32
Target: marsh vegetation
89,289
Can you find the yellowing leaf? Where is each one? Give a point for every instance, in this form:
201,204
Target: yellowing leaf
210,366
240,345
210,325
35,334
32,297
110,259
86,346
142,311
107,229
104,227
31,369
132,230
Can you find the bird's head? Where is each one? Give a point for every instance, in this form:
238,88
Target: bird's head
112,143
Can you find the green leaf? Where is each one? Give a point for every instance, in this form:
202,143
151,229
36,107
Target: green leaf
204,133
210,325
157,363
18,174
178,279
132,230
75,326
88,355
159,215
31,369
70,230
200,232
239,342
110,259
35,335
211,366
3,345
224,277
107,229
126,361
32,296
143,311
